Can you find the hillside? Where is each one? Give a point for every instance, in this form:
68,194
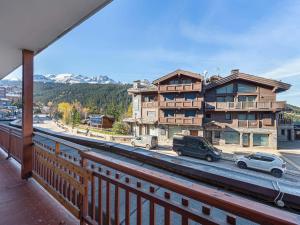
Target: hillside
94,96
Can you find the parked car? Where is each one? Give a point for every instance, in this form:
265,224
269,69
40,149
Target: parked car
146,141
264,162
197,147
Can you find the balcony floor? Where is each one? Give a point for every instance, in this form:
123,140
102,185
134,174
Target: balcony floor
25,202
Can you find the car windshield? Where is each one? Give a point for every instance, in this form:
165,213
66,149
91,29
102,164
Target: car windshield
208,143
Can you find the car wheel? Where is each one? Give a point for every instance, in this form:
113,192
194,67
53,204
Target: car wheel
242,165
133,144
209,158
148,147
276,173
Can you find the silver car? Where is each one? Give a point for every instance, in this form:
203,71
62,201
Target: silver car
264,162
146,141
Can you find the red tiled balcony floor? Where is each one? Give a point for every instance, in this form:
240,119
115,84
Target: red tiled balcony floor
25,202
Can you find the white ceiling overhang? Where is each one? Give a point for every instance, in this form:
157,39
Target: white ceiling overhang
35,24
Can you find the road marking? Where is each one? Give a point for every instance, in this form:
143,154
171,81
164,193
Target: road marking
291,162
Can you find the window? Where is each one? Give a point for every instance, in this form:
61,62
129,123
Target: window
251,116
245,98
151,114
169,97
190,96
192,143
242,116
175,81
149,98
226,89
208,116
169,113
282,131
232,137
225,99
228,116
190,113
246,88
186,81
217,134
260,139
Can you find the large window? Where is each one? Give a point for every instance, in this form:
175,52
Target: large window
169,97
251,116
227,116
190,96
225,90
246,88
260,140
225,99
190,113
149,98
242,116
169,113
247,98
232,137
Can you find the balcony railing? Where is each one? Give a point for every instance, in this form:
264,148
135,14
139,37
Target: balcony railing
181,104
99,189
248,123
245,105
180,87
150,104
285,121
181,120
10,141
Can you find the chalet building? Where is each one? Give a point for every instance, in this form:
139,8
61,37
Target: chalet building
101,121
171,104
242,109
239,109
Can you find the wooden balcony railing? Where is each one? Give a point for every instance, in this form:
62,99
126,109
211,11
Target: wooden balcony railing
180,120
150,104
10,141
248,123
180,104
180,87
245,105
99,189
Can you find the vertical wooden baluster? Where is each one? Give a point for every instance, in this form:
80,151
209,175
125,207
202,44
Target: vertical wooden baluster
107,200
117,197
93,191
152,209
185,219
99,201
139,206
127,205
167,210
85,198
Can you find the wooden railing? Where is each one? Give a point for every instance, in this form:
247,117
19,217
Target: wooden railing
248,123
181,120
245,105
99,189
180,87
11,141
181,104
150,104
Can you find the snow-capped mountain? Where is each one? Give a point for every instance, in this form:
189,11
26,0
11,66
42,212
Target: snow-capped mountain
69,78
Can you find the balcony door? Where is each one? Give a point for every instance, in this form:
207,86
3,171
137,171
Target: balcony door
246,139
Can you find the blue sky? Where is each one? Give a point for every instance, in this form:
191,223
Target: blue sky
136,39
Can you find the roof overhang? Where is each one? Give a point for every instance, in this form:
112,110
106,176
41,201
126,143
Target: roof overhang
277,86
35,24
179,72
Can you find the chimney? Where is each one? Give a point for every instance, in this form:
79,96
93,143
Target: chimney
235,71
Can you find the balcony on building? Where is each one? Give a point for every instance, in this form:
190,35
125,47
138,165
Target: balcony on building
180,87
245,106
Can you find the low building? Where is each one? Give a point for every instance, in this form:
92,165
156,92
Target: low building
101,121
2,92
239,109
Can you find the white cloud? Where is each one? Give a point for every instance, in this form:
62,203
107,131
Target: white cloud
289,69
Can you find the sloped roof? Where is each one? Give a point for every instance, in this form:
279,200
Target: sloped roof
178,72
35,24
280,86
